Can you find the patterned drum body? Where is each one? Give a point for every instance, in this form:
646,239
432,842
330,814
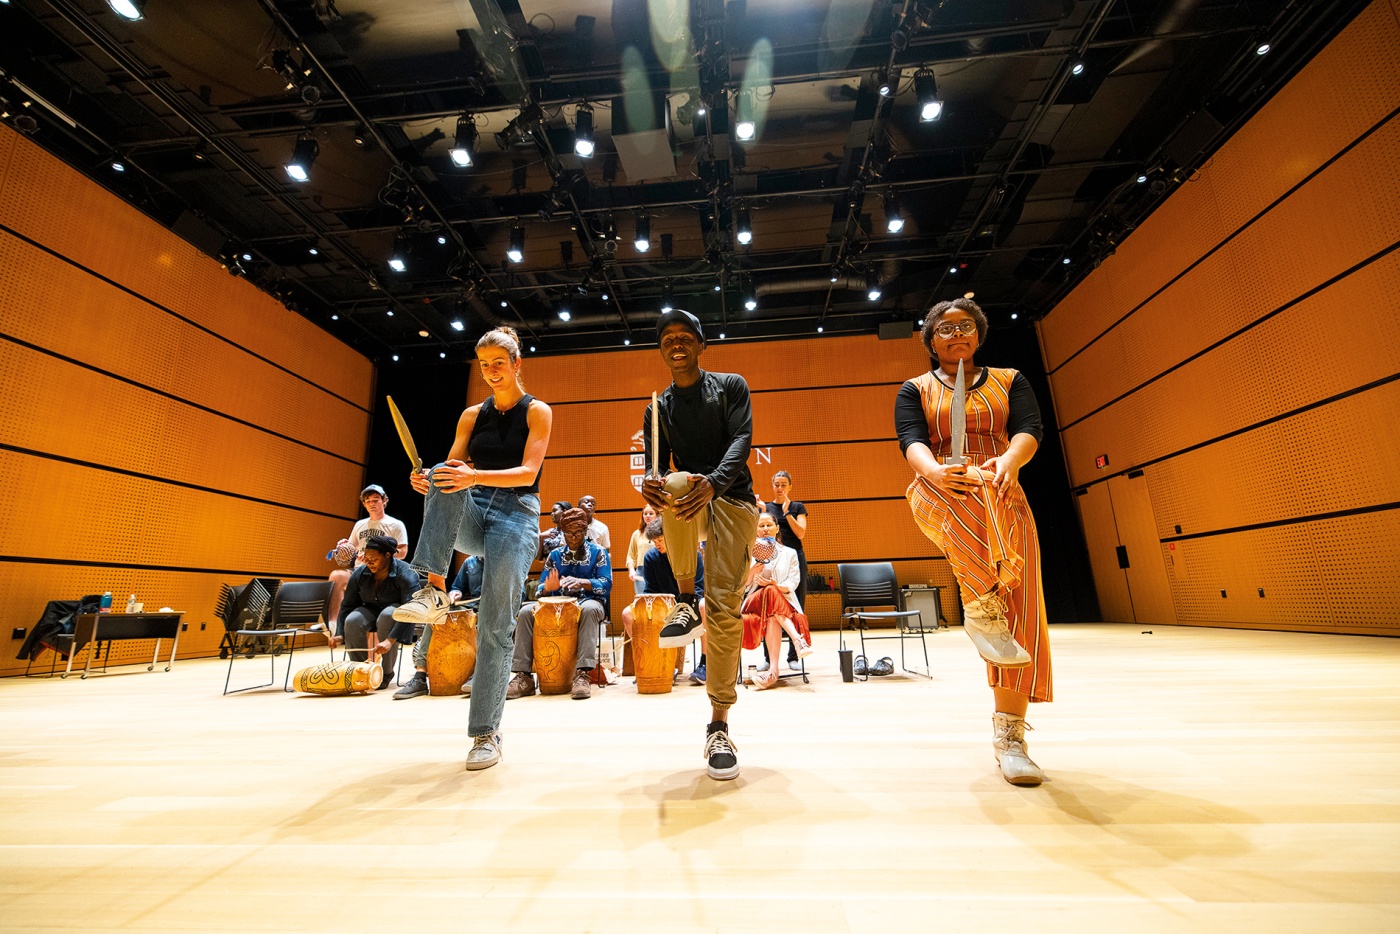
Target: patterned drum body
452,653
654,665
339,678
556,643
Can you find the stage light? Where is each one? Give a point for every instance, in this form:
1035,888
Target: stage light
424,333
819,329
457,325
398,259
721,335
464,145
1141,179
132,10
361,136
1065,260
884,84
246,257
952,270
1013,316
442,354
516,251
926,89
564,314
894,215
314,252
643,239
118,167
504,303
668,301
750,303
1263,49
685,113
627,342
441,240
583,132
335,317
389,312
744,126
304,153
396,358
1077,68
606,296
872,287
743,230
834,274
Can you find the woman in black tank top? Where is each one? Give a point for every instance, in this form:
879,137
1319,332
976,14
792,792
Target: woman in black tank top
488,508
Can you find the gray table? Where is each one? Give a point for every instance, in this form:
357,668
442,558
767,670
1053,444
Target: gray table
112,627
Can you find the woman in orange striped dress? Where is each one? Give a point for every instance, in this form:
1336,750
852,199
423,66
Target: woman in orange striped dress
977,515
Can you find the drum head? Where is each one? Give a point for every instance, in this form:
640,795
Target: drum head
557,601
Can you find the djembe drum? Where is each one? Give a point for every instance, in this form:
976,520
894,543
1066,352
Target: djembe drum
339,678
653,664
556,643
452,653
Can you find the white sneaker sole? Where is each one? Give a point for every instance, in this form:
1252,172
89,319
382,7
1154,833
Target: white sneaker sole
679,642
722,775
993,655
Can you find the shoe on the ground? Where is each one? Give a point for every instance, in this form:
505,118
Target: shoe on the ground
763,680
721,756
522,684
698,675
467,688
428,607
860,668
884,666
1009,744
984,621
416,686
582,690
485,752
681,627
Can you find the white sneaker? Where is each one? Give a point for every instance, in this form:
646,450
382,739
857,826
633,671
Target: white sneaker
1009,745
428,607
485,752
984,621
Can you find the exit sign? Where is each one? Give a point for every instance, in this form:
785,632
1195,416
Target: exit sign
1101,461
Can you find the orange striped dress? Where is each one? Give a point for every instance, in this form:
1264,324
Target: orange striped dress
990,544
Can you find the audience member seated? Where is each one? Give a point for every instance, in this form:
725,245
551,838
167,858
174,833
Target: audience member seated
466,586
656,570
597,531
554,537
770,602
637,548
376,588
351,551
579,569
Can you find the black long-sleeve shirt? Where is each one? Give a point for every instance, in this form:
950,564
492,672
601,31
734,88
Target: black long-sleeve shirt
707,429
363,590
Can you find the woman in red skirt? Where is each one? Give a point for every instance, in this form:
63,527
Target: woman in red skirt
977,515
771,606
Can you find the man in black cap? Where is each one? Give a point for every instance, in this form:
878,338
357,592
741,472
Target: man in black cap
706,428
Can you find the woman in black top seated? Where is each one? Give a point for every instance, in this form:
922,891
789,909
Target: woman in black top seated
490,508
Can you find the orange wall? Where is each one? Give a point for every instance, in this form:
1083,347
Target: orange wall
1242,349
823,411
164,427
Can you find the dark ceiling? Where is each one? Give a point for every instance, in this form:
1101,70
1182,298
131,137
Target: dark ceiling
1034,171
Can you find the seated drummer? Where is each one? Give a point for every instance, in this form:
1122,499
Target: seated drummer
659,579
465,586
373,593
580,569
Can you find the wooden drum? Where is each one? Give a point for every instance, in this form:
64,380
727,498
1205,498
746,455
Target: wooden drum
452,653
339,678
556,643
653,664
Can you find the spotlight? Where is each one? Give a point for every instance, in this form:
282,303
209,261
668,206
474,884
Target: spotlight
882,81
894,215
335,317
303,154
520,129
1263,49
952,270
118,167
750,299
516,250
424,333
396,358
464,145
668,301
389,312
1141,179
700,108
398,259
457,325
685,113
553,201
719,287
643,239
900,38
819,329
872,287
627,342
926,89
583,132
441,240
361,136
721,335
442,354
743,230
1013,316
564,314
132,10
1077,68
834,274
744,127
606,296
504,303
1065,260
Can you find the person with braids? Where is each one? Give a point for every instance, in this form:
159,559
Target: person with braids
976,514
491,508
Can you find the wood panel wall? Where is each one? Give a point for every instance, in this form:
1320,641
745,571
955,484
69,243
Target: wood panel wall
164,427
823,411
1242,350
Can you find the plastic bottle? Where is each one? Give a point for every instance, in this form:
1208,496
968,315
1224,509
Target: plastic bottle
106,606
131,604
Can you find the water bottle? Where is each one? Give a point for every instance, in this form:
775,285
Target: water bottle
106,606
131,604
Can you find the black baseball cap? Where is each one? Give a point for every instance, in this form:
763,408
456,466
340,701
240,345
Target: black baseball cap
679,316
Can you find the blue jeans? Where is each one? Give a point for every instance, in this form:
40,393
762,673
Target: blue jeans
504,529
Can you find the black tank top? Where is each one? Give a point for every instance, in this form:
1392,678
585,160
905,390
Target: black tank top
498,438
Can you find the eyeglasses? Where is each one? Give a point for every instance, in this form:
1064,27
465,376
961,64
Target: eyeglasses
967,328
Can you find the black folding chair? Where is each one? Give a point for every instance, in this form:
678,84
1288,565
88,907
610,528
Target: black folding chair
874,585
270,627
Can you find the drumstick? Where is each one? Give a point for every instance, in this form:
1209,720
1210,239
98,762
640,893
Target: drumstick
655,437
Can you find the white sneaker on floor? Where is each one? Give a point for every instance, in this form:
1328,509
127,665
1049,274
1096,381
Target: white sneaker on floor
428,607
485,752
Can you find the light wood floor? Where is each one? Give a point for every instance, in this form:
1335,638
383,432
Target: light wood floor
1201,780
